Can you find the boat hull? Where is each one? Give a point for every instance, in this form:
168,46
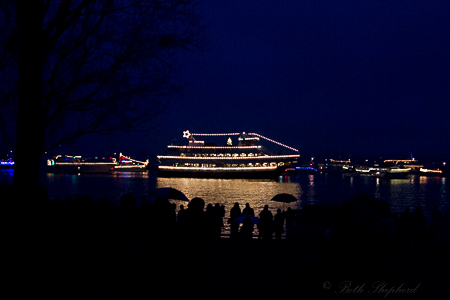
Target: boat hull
223,174
130,169
390,175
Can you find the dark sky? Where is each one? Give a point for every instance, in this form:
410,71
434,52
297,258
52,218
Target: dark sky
323,76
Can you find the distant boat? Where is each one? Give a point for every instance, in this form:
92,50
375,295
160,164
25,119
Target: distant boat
390,172
431,172
205,160
128,164
7,163
77,164
390,169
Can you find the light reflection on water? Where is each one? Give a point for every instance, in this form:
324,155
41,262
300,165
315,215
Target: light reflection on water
325,188
228,191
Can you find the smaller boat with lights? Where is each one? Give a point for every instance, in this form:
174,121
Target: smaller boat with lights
7,164
128,164
77,164
248,159
439,172
390,172
390,169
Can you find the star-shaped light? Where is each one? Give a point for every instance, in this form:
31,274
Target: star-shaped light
186,134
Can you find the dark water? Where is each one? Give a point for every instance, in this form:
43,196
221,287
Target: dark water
327,188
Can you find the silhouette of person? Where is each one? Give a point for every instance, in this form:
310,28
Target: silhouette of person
181,214
248,210
234,226
436,219
247,229
405,224
196,219
278,224
265,223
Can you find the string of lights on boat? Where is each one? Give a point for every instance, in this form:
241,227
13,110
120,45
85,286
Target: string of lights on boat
227,157
217,168
127,159
275,142
214,147
187,134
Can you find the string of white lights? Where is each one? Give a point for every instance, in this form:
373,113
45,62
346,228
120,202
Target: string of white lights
217,168
83,163
214,147
214,134
275,142
131,159
227,157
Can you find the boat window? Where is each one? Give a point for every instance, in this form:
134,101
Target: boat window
281,164
250,164
265,164
235,155
228,155
182,154
243,154
273,164
257,165
213,154
205,154
242,165
234,165
220,155
250,154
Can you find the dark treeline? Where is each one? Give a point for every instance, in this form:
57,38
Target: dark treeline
77,247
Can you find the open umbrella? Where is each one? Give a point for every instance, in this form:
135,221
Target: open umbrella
285,198
169,194
241,218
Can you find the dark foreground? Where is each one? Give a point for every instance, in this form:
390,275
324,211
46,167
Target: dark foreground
79,248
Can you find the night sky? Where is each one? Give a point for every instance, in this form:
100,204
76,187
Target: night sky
327,77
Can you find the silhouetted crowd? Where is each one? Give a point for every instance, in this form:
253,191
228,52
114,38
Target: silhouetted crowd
81,239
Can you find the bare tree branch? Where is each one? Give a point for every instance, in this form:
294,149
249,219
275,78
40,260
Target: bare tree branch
108,64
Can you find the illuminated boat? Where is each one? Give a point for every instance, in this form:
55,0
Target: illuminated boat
128,164
76,164
205,160
431,172
7,163
390,169
390,172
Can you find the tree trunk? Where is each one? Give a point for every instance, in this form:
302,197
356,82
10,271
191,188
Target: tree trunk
30,130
